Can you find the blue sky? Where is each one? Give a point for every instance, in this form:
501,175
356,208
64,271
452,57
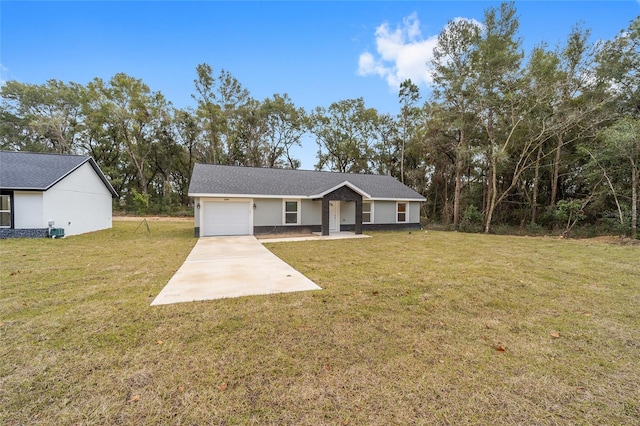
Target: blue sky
317,52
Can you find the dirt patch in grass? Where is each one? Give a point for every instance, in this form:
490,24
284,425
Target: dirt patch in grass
420,328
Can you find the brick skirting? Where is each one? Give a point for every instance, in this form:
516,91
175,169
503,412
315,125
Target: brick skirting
24,233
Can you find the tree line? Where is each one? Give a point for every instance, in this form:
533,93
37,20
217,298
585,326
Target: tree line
546,139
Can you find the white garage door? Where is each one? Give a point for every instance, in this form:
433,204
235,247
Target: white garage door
226,218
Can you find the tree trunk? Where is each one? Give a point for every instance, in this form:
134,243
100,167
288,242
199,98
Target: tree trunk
534,197
634,199
493,175
404,136
493,191
446,212
457,192
556,172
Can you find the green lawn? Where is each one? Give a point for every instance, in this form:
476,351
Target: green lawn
411,328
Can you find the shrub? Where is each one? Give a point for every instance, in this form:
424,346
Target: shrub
471,220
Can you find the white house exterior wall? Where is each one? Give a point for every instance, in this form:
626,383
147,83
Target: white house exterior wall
414,212
196,212
311,212
79,203
28,210
347,213
385,212
268,212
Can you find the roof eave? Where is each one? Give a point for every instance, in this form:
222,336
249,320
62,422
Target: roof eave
221,195
398,199
340,185
20,188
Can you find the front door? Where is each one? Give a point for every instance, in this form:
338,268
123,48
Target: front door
334,216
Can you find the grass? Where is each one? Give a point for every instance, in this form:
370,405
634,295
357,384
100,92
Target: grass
411,328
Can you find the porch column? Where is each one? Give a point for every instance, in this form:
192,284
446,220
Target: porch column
325,216
358,227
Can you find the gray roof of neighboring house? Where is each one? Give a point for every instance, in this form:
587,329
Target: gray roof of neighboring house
36,171
234,180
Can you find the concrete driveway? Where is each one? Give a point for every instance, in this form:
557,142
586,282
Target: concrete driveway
221,267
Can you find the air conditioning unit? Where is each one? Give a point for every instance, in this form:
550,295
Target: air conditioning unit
56,232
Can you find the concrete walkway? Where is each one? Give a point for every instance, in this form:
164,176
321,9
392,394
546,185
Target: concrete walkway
316,236
221,267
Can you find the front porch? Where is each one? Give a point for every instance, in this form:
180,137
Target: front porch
331,209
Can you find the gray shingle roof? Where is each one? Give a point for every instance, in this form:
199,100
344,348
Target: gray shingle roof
222,180
37,171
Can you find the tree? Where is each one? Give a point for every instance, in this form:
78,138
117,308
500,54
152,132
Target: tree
209,112
497,66
44,117
617,155
220,106
386,146
453,73
618,69
571,107
344,134
134,116
284,127
188,136
220,102
618,65
408,95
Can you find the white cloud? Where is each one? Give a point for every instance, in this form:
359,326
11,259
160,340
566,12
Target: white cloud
401,53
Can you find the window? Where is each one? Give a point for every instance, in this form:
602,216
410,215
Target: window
401,210
367,212
291,212
5,211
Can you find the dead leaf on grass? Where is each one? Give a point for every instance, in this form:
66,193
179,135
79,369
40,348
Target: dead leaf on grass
159,342
500,348
134,398
181,388
555,334
223,387
327,367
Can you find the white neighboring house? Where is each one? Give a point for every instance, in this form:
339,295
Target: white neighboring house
232,200
39,190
